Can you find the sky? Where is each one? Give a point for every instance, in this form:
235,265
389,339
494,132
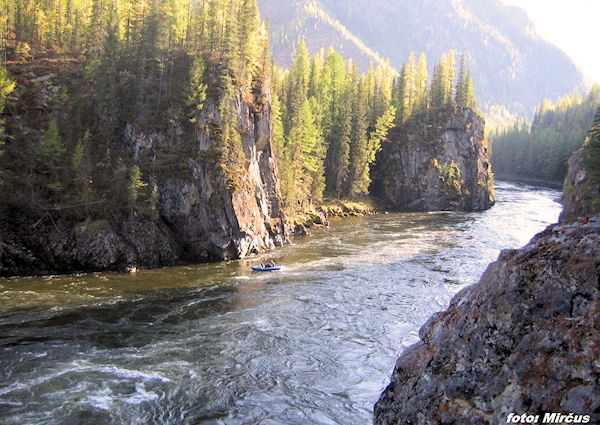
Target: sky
572,25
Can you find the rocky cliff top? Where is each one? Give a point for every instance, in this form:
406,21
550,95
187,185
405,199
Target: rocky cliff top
525,339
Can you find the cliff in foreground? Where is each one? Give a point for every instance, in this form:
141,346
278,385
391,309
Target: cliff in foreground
524,340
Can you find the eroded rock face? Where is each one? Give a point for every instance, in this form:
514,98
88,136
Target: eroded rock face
443,166
525,339
197,217
213,221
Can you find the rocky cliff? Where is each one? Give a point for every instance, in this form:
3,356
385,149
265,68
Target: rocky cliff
525,340
437,165
580,197
198,217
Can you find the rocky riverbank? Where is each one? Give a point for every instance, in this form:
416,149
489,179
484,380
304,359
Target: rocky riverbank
524,340
300,224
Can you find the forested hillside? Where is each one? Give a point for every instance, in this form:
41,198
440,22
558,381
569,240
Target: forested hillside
90,75
512,66
124,122
329,121
540,149
135,133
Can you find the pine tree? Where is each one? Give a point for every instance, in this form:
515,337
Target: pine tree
461,90
197,87
230,43
50,161
449,70
340,148
81,169
400,102
379,134
409,86
313,152
94,31
338,124
470,101
135,185
104,75
248,40
297,90
358,141
384,80
6,88
371,93
280,148
332,90
316,74
464,92
421,78
442,82
332,96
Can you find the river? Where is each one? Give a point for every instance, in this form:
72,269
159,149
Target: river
314,343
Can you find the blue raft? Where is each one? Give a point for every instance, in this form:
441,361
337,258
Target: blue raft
265,269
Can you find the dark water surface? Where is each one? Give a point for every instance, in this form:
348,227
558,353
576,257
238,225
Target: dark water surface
314,343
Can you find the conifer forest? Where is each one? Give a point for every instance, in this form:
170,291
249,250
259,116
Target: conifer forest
80,75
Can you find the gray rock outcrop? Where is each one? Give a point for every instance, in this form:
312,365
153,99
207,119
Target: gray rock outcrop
436,166
525,339
580,197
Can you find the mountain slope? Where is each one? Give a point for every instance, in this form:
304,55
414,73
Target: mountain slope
511,64
309,21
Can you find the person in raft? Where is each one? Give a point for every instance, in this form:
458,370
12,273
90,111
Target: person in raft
270,263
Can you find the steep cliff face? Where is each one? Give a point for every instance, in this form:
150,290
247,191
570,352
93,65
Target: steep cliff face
580,197
213,221
426,167
198,217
